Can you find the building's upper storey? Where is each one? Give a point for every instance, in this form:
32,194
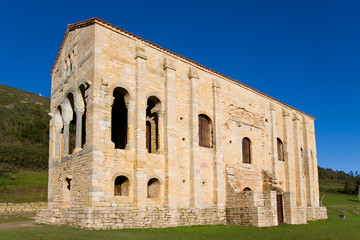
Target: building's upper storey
70,60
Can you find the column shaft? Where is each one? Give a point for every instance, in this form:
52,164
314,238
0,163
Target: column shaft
300,198
274,153
79,114
308,165
219,182
140,131
194,140
171,187
66,139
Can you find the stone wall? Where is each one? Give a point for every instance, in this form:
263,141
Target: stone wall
97,60
21,208
130,217
316,213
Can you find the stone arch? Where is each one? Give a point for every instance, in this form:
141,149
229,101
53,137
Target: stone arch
153,126
247,189
121,186
119,118
58,129
73,100
205,131
128,96
68,118
81,111
246,150
154,187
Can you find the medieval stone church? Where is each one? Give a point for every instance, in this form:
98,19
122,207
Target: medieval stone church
143,137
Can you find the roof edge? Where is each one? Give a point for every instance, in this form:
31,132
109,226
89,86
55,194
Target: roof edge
94,20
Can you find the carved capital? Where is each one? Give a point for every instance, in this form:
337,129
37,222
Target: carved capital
193,73
129,104
272,107
140,53
161,114
79,111
285,113
169,64
216,83
295,117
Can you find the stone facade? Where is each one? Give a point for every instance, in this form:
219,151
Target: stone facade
143,137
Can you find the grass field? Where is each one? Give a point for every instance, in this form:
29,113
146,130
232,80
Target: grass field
333,228
23,186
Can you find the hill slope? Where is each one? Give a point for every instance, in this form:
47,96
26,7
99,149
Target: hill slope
24,131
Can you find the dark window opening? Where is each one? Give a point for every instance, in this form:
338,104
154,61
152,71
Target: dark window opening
83,124
148,136
121,186
72,126
119,122
152,124
246,150
205,131
247,189
280,150
68,186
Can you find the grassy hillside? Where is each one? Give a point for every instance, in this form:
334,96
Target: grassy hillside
24,131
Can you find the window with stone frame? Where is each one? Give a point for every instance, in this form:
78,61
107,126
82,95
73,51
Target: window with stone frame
121,186
280,150
246,150
205,131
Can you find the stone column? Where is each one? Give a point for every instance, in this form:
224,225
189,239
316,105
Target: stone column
130,133
66,138
57,141
194,139
289,195
219,181
160,140
288,161
140,131
79,113
274,153
171,188
300,200
308,165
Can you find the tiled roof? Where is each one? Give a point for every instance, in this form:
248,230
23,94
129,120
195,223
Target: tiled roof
111,26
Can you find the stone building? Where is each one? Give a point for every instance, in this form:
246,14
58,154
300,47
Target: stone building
143,137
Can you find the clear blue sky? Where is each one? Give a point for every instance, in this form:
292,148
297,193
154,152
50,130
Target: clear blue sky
304,53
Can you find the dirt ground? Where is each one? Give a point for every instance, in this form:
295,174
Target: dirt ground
20,224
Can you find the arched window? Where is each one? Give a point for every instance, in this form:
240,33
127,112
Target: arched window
152,124
246,150
247,189
82,89
121,186
280,150
205,131
153,188
119,119
72,125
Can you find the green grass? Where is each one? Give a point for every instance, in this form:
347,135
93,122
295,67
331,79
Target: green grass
23,186
7,219
333,228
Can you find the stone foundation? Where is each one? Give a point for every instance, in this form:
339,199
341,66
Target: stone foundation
256,209
20,209
316,213
130,217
